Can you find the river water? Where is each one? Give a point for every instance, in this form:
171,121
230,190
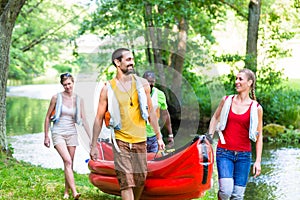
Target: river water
280,164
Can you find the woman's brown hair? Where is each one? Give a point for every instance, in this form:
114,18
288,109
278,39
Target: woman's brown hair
65,76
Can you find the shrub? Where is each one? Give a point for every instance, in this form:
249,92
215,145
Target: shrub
281,107
62,68
289,136
273,130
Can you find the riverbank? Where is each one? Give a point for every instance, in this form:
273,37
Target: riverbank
30,148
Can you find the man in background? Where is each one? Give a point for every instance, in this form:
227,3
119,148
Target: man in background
160,106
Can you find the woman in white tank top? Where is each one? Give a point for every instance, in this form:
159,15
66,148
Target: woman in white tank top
69,109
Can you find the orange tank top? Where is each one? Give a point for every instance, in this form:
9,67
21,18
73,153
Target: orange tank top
133,125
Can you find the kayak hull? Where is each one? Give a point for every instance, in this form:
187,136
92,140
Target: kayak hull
183,174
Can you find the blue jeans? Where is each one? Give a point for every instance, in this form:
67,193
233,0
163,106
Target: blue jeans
152,145
233,170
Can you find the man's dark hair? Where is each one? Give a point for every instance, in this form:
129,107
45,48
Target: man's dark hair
149,74
117,54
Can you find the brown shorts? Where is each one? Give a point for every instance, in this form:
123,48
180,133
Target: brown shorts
131,164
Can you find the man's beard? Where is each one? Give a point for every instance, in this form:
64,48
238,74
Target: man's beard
151,87
127,71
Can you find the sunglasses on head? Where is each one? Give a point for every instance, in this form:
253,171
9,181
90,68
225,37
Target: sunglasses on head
65,75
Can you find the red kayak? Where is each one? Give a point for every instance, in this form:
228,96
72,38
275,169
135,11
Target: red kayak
183,174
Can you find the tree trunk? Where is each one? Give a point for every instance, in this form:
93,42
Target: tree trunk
252,35
148,23
155,37
178,59
177,63
9,10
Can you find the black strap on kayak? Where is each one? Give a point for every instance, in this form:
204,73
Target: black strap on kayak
205,160
177,150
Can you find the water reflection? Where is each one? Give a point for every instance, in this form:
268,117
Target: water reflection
25,115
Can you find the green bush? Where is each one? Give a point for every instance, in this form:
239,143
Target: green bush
281,106
289,136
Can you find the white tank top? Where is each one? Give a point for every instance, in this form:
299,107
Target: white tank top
66,123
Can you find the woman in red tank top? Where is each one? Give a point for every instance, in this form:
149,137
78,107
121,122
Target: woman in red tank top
234,155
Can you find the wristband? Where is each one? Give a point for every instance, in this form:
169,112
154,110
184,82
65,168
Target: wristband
171,135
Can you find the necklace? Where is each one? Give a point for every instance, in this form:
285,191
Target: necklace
130,96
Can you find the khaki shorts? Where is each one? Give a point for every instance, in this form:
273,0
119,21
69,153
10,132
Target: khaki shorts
69,140
131,164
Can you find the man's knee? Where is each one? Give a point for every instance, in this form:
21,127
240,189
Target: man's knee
225,188
127,193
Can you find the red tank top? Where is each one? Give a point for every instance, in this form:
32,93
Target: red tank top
236,133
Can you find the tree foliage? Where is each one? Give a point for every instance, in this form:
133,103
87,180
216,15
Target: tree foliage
174,33
178,35
42,29
43,37
171,37
277,27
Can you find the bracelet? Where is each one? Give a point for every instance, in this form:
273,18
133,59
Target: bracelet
171,135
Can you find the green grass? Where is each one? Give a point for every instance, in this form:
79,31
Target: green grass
21,180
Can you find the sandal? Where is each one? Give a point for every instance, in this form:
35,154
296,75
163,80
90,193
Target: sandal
76,197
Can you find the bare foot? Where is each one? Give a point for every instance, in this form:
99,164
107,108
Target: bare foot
66,196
